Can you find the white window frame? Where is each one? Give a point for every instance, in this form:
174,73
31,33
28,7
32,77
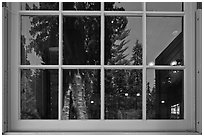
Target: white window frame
191,88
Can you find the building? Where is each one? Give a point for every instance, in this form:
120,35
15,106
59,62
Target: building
169,83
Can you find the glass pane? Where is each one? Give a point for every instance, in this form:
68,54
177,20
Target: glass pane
39,40
39,5
123,94
81,40
165,99
165,41
39,94
81,94
123,40
123,6
164,6
81,6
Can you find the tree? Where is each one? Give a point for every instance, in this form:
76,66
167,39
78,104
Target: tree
117,50
151,100
28,100
122,86
137,54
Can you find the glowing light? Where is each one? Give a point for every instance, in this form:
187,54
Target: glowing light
151,63
126,94
173,63
175,71
162,101
92,101
138,94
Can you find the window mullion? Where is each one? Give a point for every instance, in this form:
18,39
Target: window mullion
46,13
81,13
102,61
144,63
60,90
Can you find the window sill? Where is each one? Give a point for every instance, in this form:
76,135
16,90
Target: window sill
105,133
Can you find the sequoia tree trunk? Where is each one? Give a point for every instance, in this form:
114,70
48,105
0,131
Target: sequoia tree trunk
74,100
79,101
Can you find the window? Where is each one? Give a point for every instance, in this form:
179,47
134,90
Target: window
95,66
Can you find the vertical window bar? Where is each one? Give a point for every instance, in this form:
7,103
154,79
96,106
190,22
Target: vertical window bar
19,37
19,94
102,61
60,34
144,63
60,63
19,63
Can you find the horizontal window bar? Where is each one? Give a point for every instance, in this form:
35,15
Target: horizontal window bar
39,66
123,13
122,67
98,67
107,13
81,66
155,13
39,12
60,66
166,67
139,13
81,13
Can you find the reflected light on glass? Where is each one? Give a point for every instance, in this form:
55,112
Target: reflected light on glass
151,63
173,63
92,101
162,101
175,71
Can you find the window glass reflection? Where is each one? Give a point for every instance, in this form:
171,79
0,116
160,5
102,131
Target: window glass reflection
164,40
123,6
164,6
81,94
39,5
165,99
39,94
123,94
81,6
81,39
39,40
123,40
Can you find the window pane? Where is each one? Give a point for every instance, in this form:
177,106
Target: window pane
123,94
39,40
81,94
81,6
123,6
164,6
39,94
165,99
165,40
39,5
81,40
123,40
